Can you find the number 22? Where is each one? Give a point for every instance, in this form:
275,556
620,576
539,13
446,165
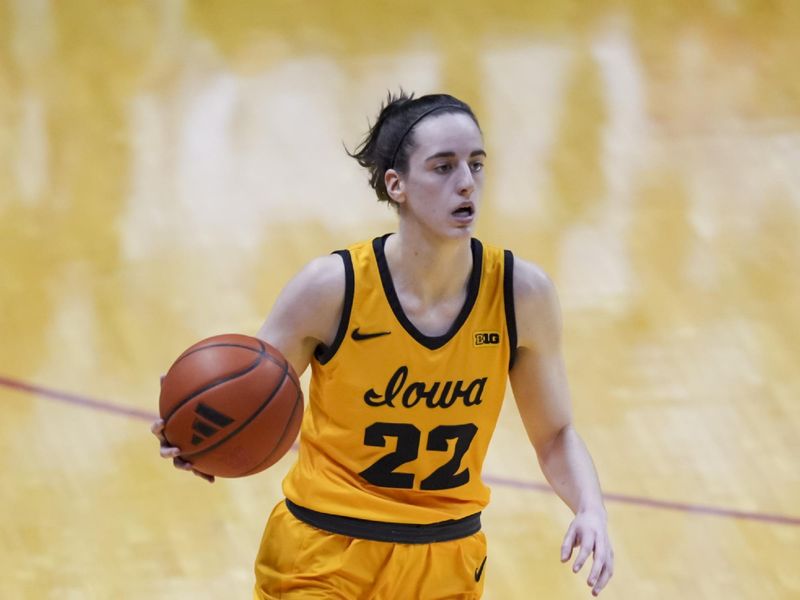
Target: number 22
382,472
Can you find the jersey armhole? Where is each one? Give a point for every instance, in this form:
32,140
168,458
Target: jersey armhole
508,299
322,352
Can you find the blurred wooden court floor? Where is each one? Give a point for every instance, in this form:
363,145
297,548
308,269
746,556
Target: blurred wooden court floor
166,166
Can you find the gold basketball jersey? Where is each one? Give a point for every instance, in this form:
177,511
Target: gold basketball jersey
399,422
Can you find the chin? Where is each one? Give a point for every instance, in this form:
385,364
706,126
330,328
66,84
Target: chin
462,231
449,230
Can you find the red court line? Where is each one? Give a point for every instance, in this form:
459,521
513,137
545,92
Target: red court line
100,405
684,507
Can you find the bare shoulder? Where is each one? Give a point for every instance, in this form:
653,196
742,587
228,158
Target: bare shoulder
530,281
536,307
323,277
308,309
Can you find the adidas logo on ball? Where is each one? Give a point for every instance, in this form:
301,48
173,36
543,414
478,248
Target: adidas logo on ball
207,423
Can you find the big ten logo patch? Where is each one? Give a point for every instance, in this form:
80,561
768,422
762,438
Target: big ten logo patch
486,338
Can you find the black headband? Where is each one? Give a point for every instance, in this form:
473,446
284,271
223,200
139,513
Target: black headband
417,120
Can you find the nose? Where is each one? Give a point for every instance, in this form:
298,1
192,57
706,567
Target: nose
466,180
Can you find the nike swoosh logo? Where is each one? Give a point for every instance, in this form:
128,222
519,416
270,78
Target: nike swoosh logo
358,336
479,570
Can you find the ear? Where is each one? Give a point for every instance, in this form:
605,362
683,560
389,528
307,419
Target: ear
395,186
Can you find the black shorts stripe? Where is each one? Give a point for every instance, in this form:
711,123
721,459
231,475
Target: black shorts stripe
378,531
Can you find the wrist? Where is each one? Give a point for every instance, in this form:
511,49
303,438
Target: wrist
596,508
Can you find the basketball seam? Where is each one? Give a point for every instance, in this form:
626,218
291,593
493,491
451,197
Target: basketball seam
297,403
272,359
221,345
246,422
211,385
263,350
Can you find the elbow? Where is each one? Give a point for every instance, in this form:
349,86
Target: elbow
553,443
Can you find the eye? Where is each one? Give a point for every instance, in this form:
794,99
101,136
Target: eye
476,166
445,168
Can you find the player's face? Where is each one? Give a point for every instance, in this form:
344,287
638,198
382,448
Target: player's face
442,187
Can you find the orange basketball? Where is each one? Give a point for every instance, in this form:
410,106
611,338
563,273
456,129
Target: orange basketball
232,404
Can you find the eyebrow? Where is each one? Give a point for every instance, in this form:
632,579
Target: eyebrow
450,154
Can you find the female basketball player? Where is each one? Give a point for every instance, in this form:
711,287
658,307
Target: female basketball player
411,338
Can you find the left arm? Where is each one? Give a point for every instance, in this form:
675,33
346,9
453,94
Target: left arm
539,382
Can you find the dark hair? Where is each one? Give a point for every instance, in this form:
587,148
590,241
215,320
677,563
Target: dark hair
389,141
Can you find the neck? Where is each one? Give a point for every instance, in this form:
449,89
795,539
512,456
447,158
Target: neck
431,269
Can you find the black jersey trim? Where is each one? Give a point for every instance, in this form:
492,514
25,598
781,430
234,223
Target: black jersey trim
322,352
508,299
379,531
473,286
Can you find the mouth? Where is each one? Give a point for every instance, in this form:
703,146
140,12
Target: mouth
464,211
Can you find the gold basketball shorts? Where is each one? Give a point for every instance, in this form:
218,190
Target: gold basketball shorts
297,560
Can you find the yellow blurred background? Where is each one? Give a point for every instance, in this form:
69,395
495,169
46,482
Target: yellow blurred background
165,166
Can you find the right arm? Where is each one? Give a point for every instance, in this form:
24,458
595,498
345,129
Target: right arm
307,313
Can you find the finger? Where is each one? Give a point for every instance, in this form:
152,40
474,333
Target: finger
568,544
181,464
169,452
208,478
158,430
605,576
587,544
598,562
